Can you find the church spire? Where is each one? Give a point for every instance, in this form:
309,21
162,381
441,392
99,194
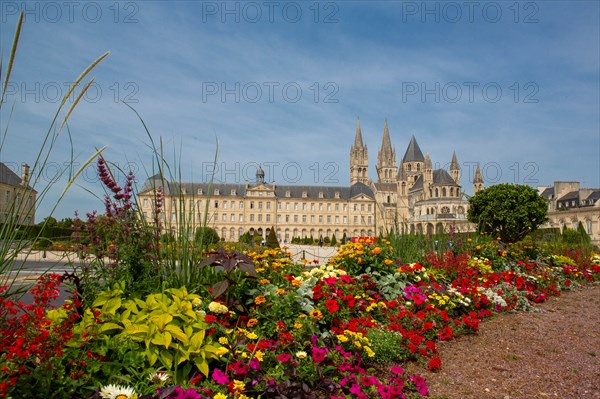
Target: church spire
455,168
477,180
358,141
359,159
386,158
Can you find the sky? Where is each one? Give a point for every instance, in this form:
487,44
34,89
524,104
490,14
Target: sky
512,86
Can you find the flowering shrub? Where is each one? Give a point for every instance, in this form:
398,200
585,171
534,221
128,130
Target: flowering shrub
295,330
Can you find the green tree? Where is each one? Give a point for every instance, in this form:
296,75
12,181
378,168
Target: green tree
344,238
333,241
585,238
272,241
207,235
509,211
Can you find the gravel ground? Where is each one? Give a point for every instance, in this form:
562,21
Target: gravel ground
551,353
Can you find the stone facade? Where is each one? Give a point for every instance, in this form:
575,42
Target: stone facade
407,197
569,205
17,198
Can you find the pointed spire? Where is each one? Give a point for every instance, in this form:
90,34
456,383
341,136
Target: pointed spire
413,152
478,178
454,163
386,143
358,141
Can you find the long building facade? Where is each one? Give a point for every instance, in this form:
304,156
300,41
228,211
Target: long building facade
406,197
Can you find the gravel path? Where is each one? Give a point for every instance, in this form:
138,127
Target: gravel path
553,353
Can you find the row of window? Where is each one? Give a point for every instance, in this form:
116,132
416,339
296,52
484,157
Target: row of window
7,196
288,194
267,205
224,217
287,234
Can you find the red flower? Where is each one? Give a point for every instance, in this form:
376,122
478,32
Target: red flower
332,305
435,363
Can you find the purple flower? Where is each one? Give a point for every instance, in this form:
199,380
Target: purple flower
189,393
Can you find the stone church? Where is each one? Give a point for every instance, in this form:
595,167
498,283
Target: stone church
407,197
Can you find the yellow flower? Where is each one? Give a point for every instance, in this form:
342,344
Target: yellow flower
221,351
260,300
388,262
301,354
264,281
297,282
259,355
298,326
252,322
251,335
238,385
280,291
223,341
342,338
217,307
219,396
376,251
316,314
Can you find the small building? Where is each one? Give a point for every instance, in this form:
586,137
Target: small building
569,204
17,197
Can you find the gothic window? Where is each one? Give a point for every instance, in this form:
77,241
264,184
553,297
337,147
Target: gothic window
461,210
437,193
409,167
444,192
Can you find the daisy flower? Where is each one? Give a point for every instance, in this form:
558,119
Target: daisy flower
117,392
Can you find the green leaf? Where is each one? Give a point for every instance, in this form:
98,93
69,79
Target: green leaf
109,326
166,358
178,334
202,365
161,321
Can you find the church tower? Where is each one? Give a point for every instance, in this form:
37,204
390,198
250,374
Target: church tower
455,169
386,159
427,177
359,159
413,162
477,181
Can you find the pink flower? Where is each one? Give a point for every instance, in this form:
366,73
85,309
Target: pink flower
220,377
319,355
284,357
397,370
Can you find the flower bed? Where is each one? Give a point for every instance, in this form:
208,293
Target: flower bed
341,330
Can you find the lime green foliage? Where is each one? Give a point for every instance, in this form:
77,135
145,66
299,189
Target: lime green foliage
387,345
510,211
165,328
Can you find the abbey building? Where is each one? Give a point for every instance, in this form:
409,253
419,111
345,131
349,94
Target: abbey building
407,197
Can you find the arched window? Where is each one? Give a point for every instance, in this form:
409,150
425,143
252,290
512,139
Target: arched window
409,167
418,167
437,193
452,191
444,192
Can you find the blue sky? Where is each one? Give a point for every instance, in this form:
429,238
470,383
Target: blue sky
513,86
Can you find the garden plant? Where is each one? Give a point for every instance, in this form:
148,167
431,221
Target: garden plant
167,316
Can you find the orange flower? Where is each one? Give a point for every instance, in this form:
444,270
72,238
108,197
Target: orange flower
388,262
260,299
376,251
316,314
252,322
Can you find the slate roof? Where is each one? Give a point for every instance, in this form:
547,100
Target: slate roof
441,177
225,189
413,152
572,195
548,193
7,176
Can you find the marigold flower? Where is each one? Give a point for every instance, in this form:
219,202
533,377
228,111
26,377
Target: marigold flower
252,322
298,326
280,291
260,300
238,385
316,314
264,281
219,396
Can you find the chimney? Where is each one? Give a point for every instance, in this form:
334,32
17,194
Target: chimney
25,175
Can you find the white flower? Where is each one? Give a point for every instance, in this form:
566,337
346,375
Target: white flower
158,377
117,392
301,355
